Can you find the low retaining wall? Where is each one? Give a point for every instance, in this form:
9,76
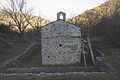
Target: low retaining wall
43,74
102,65
17,61
54,69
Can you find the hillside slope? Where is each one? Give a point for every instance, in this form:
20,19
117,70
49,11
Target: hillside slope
95,15
34,20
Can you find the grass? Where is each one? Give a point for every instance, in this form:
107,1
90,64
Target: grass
7,52
33,61
113,57
112,54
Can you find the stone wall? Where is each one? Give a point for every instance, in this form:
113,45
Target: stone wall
17,61
44,74
61,44
54,69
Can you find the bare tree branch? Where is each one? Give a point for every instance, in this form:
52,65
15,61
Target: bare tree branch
18,12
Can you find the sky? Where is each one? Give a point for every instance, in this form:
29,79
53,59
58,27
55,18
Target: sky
49,8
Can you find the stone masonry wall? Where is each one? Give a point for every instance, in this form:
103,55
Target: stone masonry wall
61,44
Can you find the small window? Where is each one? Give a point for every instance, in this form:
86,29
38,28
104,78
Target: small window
61,17
60,45
48,56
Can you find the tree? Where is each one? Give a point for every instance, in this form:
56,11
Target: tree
38,22
18,12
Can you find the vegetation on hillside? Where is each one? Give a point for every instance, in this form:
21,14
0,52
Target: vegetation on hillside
102,21
92,17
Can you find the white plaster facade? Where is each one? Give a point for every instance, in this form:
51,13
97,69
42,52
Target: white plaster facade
60,43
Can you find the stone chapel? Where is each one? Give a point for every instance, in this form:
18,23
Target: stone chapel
60,42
